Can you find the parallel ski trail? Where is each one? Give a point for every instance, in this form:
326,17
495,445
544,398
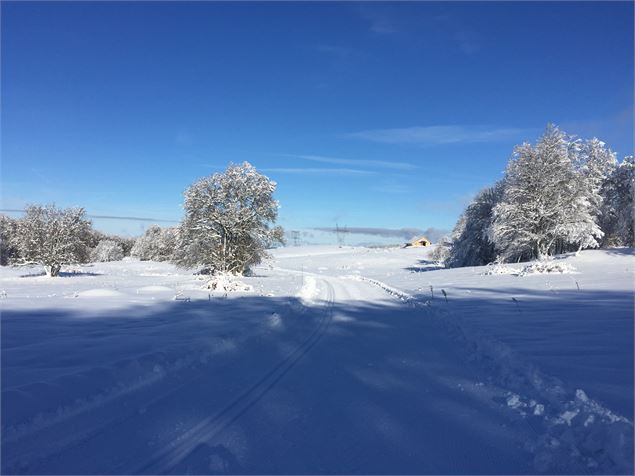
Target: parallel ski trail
170,455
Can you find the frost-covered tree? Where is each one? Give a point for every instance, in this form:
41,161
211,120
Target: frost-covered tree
595,165
106,250
544,208
470,244
126,243
156,244
229,220
617,214
8,249
51,236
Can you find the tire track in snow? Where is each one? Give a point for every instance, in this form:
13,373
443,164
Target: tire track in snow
172,454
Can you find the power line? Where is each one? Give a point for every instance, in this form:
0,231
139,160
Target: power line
106,217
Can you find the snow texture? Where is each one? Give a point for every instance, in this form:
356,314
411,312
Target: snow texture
339,360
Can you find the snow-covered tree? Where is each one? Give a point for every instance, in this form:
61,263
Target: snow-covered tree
126,243
52,237
156,244
106,250
8,249
595,164
470,243
544,209
617,209
229,220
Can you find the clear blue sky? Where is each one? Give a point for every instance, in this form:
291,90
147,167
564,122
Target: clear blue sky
368,114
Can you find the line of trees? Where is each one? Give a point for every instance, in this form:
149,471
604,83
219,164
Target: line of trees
228,226
561,194
52,237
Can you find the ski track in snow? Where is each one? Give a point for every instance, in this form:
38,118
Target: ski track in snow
571,433
169,456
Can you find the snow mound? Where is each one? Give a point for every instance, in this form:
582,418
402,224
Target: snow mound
98,293
539,267
154,289
274,321
227,283
496,269
545,267
309,290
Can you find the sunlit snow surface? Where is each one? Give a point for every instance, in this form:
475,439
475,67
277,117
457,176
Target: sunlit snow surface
339,360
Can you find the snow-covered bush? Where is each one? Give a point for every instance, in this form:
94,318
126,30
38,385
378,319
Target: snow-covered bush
52,237
226,283
441,251
545,267
228,222
545,208
106,250
8,249
494,269
156,244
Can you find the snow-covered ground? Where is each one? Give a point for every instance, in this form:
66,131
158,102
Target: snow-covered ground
338,360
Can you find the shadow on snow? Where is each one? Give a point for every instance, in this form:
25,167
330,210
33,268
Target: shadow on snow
258,385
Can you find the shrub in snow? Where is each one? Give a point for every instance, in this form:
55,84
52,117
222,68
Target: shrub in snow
52,237
226,283
441,251
497,269
545,208
8,248
547,266
156,244
106,250
228,222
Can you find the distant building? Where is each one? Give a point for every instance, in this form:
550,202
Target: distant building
419,242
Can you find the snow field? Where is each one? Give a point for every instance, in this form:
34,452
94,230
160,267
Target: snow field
352,342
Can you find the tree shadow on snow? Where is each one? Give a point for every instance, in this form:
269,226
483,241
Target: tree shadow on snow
260,385
423,266
62,274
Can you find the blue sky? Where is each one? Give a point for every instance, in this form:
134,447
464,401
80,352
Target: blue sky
384,115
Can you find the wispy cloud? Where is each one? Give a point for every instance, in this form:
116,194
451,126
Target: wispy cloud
440,135
318,171
385,164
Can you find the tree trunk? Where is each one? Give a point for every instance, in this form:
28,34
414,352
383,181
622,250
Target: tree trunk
52,270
